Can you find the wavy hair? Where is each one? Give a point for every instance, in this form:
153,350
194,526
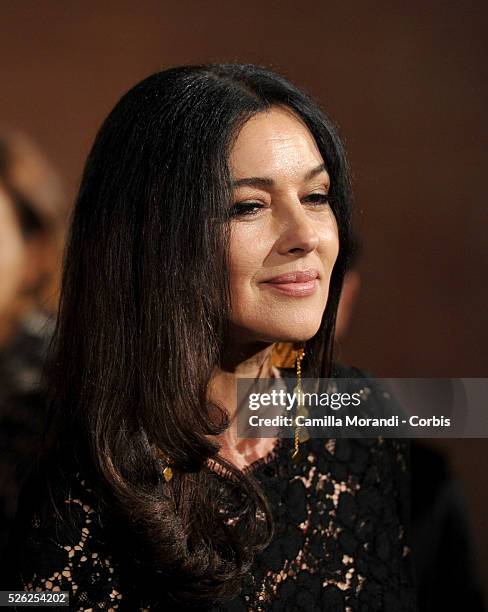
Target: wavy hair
144,313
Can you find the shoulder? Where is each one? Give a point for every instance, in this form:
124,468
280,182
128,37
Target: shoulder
377,398
58,540
376,402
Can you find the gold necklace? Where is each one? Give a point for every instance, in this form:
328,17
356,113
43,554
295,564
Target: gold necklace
301,434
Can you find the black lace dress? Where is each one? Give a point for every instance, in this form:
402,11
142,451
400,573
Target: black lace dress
341,541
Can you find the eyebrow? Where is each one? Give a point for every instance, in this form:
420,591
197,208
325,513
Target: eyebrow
259,181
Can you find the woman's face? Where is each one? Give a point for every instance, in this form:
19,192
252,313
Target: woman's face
13,254
281,224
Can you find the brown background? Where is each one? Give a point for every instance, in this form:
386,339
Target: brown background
406,83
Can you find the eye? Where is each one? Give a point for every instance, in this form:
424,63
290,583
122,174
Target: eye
318,198
245,208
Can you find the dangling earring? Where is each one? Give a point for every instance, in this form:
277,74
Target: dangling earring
283,355
301,433
167,471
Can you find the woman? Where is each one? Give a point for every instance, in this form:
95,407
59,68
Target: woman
32,220
32,214
205,185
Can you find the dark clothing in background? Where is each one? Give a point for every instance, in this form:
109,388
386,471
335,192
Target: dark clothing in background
442,545
22,410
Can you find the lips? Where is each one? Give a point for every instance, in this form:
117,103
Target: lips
300,276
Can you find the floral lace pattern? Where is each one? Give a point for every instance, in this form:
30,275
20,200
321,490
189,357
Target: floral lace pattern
341,541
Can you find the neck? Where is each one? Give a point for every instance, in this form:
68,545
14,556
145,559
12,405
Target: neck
250,361
246,361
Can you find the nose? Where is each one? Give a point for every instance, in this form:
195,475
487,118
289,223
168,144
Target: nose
297,232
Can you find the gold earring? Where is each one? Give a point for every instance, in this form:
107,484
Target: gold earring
283,355
167,471
301,433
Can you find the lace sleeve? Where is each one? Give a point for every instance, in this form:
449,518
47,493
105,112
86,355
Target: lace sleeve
58,548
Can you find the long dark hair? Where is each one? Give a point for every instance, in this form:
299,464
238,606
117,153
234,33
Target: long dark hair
144,315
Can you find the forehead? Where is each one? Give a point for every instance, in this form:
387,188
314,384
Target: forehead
274,142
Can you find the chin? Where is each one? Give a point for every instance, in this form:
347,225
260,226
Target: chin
294,325
289,333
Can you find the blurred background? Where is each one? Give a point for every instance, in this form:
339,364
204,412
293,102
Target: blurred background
406,84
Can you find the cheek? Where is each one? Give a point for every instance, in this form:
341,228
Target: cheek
247,253
250,247
329,242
